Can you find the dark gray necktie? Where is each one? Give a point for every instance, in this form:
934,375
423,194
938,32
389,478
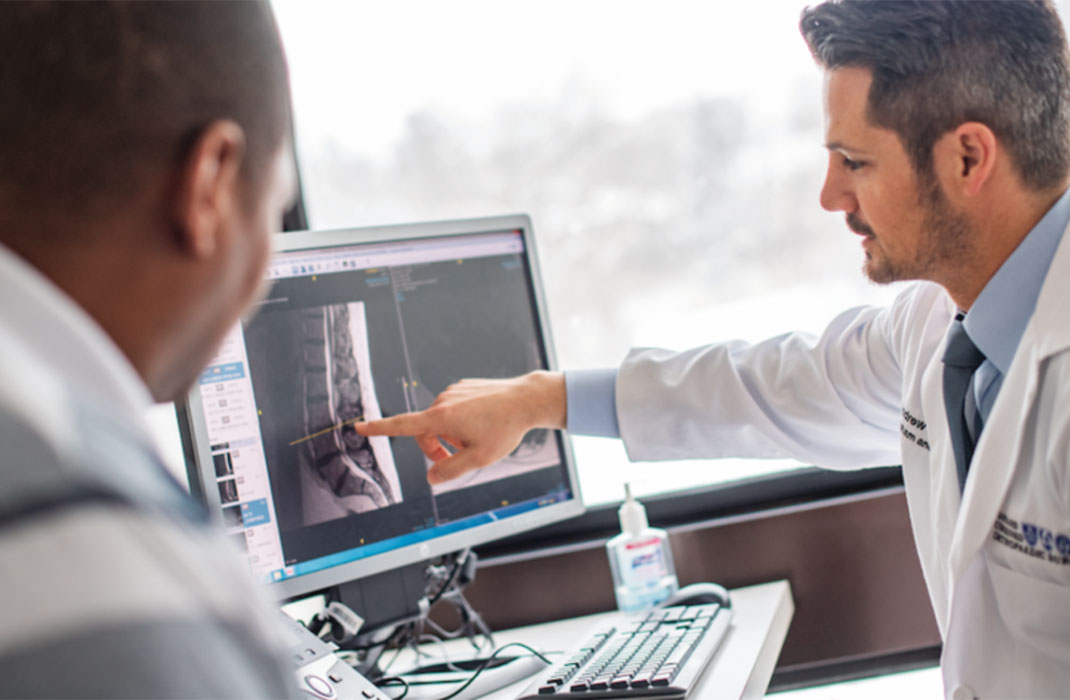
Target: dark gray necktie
961,360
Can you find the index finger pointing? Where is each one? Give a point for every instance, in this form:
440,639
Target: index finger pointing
404,424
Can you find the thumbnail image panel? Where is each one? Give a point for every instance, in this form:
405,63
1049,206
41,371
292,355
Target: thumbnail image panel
312,379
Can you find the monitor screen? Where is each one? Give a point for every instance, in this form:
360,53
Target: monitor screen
360,324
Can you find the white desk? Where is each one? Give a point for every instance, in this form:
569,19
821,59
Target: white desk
743,664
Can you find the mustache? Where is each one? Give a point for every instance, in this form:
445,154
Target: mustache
856,225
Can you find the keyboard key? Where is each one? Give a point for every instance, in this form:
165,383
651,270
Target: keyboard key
672,614
642,679
678,654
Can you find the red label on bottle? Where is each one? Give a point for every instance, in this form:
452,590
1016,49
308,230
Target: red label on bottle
642,543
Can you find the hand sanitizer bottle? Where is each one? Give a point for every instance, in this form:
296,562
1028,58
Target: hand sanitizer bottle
640,559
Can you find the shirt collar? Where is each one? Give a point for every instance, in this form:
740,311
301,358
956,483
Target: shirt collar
70,343
997,320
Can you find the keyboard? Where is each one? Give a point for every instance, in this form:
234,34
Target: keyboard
656,654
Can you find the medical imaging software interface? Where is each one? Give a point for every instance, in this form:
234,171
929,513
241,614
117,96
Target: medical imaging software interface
356,333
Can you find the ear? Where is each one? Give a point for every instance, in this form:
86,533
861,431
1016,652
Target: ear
968,156
209,187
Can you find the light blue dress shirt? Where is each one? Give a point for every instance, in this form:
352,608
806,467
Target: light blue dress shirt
995,323
592,402
997,320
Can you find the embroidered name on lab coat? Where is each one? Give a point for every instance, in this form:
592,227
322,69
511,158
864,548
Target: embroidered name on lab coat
1034,541
913,429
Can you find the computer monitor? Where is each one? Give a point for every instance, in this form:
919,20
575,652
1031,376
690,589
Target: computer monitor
358,324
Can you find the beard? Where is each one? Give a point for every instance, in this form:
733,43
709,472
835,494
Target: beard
945,241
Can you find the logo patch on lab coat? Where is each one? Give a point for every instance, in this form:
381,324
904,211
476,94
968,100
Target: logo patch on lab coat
913,430
1032,540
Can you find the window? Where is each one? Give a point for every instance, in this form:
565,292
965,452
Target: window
670,156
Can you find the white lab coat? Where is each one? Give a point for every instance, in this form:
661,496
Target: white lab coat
869,392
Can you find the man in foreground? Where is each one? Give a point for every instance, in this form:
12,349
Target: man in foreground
145,162
948,131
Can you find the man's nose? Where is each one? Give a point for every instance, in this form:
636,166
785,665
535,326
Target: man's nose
835,195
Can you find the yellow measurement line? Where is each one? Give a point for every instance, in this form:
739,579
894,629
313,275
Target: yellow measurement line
327,430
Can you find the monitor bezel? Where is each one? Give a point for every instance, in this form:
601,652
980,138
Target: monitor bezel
197,448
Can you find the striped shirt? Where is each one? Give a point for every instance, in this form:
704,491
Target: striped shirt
114,582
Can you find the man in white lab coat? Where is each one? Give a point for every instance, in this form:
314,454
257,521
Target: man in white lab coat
948,132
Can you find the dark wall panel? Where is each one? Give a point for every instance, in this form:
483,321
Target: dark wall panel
853,568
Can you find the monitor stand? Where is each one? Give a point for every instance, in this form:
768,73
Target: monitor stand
386,599
396,597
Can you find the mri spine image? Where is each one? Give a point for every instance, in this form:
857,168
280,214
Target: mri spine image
332,397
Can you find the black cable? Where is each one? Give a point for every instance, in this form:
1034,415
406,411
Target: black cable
457,564
486,662
394,680
363,647
402,633
398,635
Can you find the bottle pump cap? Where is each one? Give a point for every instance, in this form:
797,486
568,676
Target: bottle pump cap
632,514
